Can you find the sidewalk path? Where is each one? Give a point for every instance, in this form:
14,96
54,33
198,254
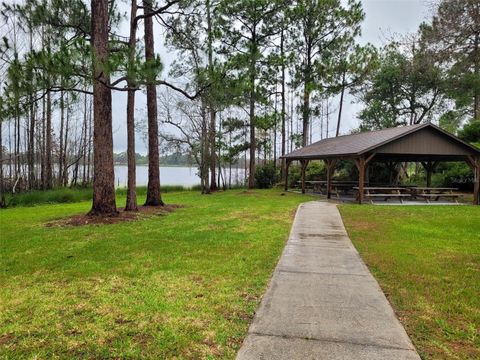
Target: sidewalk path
322,301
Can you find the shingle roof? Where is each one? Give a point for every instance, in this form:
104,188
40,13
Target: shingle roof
359,143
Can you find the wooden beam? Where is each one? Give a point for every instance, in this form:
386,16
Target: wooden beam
476,186
304,164
369,158
360,162
287,165
330,164
471,162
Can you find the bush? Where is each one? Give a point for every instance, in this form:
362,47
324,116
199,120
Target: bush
71,195
265,176
61,195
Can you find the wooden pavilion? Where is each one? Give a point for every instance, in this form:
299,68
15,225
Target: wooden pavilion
424,143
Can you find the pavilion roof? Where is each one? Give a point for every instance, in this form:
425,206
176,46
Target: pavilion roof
368,142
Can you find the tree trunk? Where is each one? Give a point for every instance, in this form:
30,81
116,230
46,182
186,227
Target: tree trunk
131,203
306,100
64,174
84,146
212,111
340,106
153,187
205,152
31,147
31,134
103,178
48,144
62,124
476,96
251,175
212,134
282,168
2,185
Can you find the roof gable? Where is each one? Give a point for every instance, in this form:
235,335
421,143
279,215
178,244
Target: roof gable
426,141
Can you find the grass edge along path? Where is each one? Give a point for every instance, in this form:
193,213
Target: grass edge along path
184,285
427,261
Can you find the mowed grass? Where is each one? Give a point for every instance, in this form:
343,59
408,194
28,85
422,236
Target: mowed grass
427,261
184,285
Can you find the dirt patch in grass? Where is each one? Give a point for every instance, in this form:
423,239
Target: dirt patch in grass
6,338
123,216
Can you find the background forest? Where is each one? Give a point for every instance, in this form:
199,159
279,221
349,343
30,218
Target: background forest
252,79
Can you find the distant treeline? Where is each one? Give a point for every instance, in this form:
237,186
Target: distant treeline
176,158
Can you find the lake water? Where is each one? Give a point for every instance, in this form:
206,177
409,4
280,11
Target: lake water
178,175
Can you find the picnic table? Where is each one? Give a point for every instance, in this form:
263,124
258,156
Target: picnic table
337,186
428,193
385,192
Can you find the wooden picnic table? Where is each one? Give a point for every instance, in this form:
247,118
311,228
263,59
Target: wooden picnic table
428,193
337,186
384,192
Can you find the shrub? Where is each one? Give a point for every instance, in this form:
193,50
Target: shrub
265,176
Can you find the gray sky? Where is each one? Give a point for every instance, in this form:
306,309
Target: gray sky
384,18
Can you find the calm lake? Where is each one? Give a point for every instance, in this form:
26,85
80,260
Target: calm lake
178,175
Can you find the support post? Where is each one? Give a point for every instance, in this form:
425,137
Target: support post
360,162
330,164
476,179
304,164
474,163
287,165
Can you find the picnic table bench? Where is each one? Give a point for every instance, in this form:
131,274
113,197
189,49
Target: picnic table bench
371,192
428,193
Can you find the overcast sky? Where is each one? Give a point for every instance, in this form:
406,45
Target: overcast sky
383,19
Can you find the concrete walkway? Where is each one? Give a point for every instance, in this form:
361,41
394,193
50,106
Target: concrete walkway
322,302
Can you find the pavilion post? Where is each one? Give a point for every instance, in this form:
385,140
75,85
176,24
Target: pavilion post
330,164
476,186
287,166
475,165
360,162
304,164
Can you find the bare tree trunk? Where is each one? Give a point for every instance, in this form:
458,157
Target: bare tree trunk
42,147
48,144
64,174
282,167
2,185
31,147
476,96
62,126
153,188
205,152
90,141
31,135
103,178
212,112
84,146
306,101
341,105
131,203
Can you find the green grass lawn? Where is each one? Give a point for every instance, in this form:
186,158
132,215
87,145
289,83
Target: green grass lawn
427,261
182,285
